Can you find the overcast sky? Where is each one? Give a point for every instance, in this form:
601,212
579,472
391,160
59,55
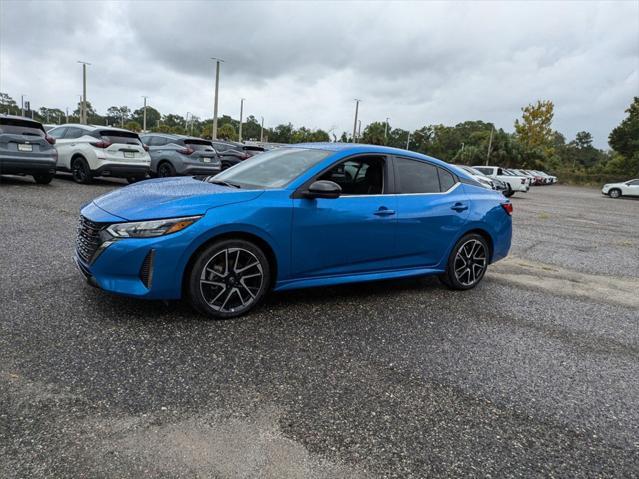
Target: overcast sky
417,63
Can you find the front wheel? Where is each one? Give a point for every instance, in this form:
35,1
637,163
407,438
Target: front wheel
467,263
615,193
509,192
229,278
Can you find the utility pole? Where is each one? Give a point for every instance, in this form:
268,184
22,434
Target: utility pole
144,116
22,104
355,122
262,131
386,130
462,153
490,144
83,110
67,114
241,112
359,130
408,140
217,85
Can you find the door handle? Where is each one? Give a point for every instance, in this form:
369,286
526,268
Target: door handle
383,211
459,207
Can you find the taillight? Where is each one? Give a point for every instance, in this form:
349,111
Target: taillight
508,208
50,139
101,144
186,151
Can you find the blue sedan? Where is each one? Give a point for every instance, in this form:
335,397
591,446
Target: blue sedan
294,217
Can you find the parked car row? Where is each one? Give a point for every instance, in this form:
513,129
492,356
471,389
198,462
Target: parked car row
90,151
514,180
625,188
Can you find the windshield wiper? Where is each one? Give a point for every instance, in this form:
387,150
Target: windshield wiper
223,183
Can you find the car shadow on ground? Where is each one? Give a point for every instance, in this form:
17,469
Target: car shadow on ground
132,310
19,180
96,181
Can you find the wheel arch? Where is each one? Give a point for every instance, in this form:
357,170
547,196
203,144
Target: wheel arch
243,235
484,234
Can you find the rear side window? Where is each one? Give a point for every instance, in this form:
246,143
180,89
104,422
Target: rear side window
198,145
14,126
221,146
446,180
416,176
120,137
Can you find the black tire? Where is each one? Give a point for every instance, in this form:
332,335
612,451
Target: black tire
134,179
211,277
81,171
165,169
226,165
615,193
458,275
43,179
509,192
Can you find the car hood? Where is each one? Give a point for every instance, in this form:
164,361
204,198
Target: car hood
170,198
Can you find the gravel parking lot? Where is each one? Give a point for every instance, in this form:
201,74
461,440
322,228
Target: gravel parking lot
533,373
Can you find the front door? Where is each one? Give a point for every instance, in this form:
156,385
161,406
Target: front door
352,234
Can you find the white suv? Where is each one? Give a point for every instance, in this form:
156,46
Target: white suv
88,151
515,183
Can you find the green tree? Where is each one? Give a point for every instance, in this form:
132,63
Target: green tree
282,133
534,130
227,132
583,139
374,133
8,105
152,116
624,139
133,126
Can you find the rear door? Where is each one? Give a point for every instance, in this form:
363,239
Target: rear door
432,209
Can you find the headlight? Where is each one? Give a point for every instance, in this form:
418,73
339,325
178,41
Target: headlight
151,229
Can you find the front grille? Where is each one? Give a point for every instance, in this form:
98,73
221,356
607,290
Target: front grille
88,238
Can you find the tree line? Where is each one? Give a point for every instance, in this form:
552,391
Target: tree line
533,144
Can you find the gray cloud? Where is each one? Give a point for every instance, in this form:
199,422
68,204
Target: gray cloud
417,63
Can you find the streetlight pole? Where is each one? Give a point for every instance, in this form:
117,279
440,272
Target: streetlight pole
67,114
262,131
355,122
22,104
144,115
359,130
490,144
241,112
408,140
217,85
386,130
83,111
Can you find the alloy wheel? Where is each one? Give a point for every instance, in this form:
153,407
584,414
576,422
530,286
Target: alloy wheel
615,194
79,171
470,262
164,170
231,280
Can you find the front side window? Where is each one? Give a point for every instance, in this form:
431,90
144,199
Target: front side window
358,176
274,169
58,133
414,176
73,133
633,183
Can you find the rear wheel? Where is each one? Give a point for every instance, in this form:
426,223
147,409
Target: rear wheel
81,171
509,191
165,169
229,278
134,179
467,263
615,193
43,179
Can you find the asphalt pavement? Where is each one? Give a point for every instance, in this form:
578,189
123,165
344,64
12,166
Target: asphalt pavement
533,373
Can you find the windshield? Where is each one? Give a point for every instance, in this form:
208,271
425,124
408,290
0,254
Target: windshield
273,169
117,136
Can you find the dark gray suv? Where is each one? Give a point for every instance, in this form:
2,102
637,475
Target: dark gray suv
25,149
173,155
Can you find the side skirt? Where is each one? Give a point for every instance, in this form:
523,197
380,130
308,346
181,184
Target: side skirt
353,278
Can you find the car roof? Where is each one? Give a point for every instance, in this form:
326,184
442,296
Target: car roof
355,148
174,135
18,117
93,127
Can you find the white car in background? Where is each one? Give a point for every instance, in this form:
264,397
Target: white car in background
617,190
514,182
88,151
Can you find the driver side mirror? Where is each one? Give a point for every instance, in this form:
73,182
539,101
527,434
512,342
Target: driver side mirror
323,189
